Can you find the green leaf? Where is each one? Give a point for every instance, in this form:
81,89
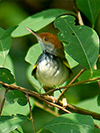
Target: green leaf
87,75
81,42
72,63
41,117
90,9
15,108
90,104
33,54
6,76
31,57
15,95
34,81
38,21
10,123
5,44
7,32
71,123
96,130
8,63
18,130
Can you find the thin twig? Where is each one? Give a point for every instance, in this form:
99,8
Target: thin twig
46,109
72,85
79,110
34,94
80,82
45,99
80,18
71,82
31,115
3,101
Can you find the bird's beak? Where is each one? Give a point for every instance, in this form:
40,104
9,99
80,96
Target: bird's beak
34,33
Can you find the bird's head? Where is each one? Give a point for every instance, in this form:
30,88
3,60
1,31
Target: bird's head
49,43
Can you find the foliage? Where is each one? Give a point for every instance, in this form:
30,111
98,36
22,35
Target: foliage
18,96
91,11
81,46
70,123
13,121
81,38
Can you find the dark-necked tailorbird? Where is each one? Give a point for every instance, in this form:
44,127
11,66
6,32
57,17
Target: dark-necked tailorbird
52,68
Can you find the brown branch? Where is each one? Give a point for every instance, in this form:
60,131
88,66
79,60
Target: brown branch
97,126
81,82
31,115
48,101
83,111
36,95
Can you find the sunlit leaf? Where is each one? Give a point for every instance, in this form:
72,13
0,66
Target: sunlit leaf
90,104
38,21
81,42
8,63
10,123
33,54
34,81
5,45
15,95
5,42
72,63
7,32
18,130
15,108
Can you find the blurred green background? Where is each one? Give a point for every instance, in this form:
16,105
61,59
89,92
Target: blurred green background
12,12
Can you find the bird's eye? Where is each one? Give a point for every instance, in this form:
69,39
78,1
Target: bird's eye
46,39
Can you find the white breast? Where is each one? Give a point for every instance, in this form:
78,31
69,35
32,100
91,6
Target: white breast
51,71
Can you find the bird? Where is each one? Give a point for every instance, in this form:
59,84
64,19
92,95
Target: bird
51,68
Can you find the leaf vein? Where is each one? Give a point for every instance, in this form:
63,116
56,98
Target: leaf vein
90,11
79,43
